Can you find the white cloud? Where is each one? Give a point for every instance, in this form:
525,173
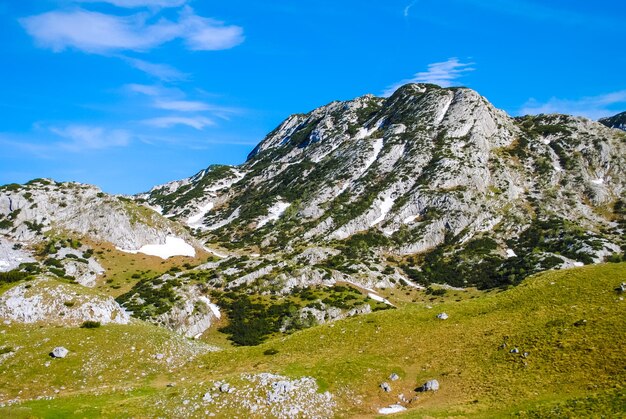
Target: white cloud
182,105
442,74
407,8
592,107
139,3
161,71
84,137
105,33
197,122
147,90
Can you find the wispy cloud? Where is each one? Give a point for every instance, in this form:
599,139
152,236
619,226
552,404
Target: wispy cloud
162,72
541,11
139,3
407,9
197,122
592,107
174,100
443,74
83,137
182,105
100,33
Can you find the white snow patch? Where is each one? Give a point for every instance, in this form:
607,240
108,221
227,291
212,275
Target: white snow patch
410,219
579,264
510,253
385,207
173,246
214,308
398,129
196,220
377,297
364,132
599,181
377,145
156,208
216,253
227,183
394,408
274,213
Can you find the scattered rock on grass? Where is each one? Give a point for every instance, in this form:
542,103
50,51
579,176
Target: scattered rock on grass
59,352
394,377
385,387
442,316
430,385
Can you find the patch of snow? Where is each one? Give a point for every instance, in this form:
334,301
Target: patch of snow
599,181
173,246
579,264
274,213
156,208
377,297
216,253
377,145
385,207
394,408
398,129
222,223
214,308
510,253
410,219
227,183
363,133
196,220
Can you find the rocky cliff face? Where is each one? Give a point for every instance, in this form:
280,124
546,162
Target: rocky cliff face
427,178
29,211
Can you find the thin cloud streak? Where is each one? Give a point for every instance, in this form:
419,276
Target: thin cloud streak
592,107
443,74
85,137
197,122
131,4
162,72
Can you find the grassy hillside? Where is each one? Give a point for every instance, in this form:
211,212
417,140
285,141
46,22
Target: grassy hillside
570,323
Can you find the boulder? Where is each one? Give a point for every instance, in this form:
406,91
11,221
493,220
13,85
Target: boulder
59,352
385,387
394,377
430,385
442,316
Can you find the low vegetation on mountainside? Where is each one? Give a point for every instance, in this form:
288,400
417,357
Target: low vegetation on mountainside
546,348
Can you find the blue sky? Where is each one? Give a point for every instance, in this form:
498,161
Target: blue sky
127,94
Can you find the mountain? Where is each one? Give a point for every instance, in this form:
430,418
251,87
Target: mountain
430,185
616,121
364,249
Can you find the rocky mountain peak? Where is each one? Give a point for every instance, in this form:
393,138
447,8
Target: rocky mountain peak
616,121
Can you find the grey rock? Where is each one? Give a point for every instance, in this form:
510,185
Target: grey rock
514,351
430,385
442,316
385,387
59,352
394,377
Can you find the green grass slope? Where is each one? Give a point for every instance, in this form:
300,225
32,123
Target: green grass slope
571,323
